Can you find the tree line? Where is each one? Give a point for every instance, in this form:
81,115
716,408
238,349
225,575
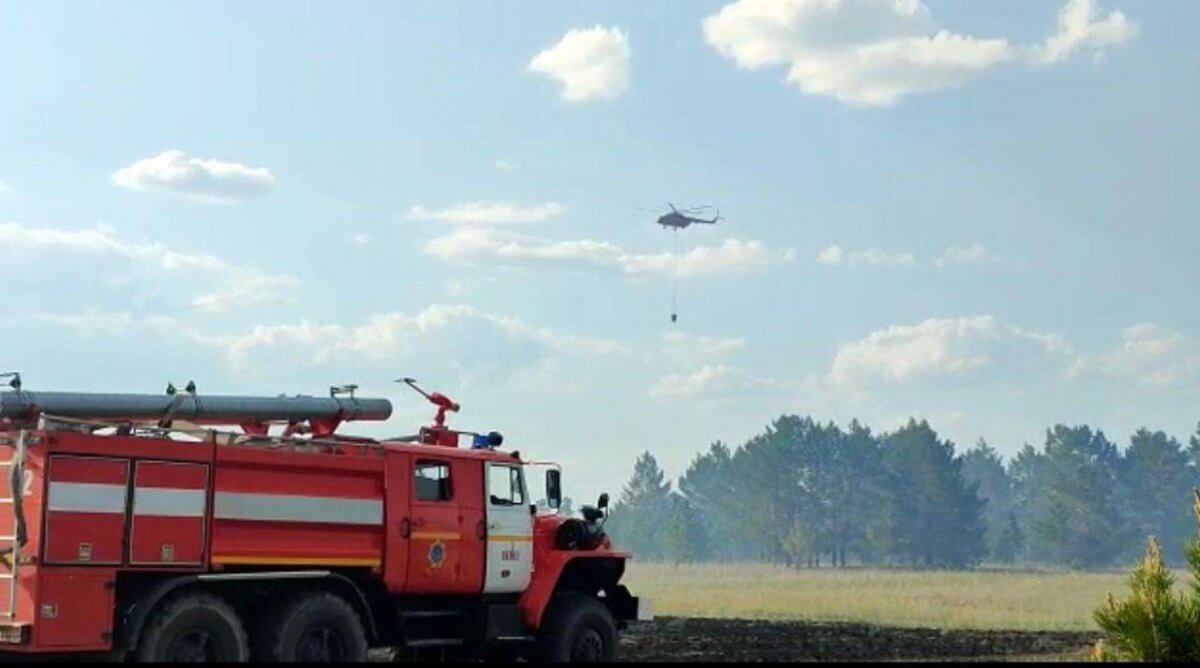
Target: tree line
811,494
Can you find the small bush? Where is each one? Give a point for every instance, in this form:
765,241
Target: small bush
1154,623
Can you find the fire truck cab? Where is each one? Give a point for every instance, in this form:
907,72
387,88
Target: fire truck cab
180,542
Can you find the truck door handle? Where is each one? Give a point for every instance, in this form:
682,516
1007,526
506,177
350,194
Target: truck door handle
405,528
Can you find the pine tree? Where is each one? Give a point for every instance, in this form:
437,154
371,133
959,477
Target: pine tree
1156,482
685,536
637,519
714,487
1010,541
1071,500
936,516
983,467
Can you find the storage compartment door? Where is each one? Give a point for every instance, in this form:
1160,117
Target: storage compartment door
86,510
170,501
75,609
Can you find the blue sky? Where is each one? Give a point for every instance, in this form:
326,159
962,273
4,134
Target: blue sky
980,213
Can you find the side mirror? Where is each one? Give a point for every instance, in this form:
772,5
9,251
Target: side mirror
554,488
603,502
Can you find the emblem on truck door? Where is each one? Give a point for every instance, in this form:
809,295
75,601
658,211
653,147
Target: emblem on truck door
437,554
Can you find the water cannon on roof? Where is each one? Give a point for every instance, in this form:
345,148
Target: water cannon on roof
439,433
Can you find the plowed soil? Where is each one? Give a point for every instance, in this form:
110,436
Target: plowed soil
692,640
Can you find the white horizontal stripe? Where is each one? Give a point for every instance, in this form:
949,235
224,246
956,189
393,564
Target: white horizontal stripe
168,502
86,497
292,508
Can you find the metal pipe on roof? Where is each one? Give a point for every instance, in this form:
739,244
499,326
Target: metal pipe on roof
212,409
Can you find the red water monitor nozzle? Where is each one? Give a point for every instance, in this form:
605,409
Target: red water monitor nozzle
443,402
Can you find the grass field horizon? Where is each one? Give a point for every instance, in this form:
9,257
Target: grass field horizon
987,599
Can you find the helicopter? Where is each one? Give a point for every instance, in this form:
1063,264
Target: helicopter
679,219
676,221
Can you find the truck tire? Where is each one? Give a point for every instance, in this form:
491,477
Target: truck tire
577,628
315,627
194,628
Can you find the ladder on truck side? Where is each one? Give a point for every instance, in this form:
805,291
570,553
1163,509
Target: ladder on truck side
16,474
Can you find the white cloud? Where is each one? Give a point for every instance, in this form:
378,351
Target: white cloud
684,346
5,189
710,381
486,246
505,166
732,256
941,347
862,52
965,255
236,285
873,53
105,322
443,341
1080,27
248,288
872,257
589,63
1148,354
200,179
391,335
472,244
489,213
361,239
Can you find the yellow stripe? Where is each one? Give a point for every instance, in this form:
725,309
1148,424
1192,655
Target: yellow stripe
292,561
505,538
436,535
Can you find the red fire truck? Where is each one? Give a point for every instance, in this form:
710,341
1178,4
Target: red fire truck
178,527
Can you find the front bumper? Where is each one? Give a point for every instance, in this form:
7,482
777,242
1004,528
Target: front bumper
644,611
626,607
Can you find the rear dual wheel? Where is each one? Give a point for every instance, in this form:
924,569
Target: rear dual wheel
313,627
194,628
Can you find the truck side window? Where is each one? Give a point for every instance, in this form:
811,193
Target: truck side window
432,481
504,485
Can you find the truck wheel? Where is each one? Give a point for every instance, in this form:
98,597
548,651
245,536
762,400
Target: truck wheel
194,628
577,628
316,627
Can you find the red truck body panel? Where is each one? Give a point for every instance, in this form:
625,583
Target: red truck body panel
98,506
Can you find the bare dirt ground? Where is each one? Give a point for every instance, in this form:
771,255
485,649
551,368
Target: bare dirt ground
693,639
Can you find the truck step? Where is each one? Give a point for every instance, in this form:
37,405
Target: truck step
430,614
434,642
514,639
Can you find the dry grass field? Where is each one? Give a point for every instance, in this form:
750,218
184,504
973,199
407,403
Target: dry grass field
986,599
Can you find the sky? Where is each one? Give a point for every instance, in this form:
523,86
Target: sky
981,214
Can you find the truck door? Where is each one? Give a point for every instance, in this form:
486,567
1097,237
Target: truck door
398,524
509,530
437,540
